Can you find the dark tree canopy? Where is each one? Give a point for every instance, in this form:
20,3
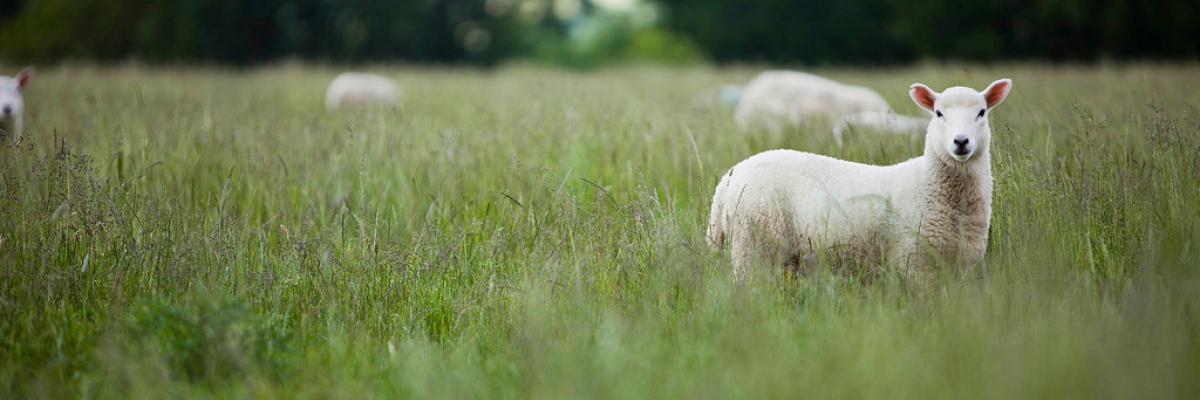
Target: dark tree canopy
864,32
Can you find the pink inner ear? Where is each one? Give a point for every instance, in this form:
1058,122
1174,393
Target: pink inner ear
23,79
924,97
996,93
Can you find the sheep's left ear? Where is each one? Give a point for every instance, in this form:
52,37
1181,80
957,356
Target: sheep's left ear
996,92
24,77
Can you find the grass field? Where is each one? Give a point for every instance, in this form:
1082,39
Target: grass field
528,233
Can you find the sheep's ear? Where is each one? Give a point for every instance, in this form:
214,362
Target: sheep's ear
923,96
24,77
996,92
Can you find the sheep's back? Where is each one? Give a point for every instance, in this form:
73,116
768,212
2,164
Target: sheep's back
358,89
794,96
806,198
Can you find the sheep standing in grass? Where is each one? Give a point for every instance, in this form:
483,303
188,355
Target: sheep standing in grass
779,99
356,89
789,207
12,104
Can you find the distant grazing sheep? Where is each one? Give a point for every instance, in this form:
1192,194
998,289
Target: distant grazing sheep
776,100
12,104
356,89
788,207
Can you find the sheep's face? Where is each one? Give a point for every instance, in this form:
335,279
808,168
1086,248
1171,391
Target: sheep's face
959,128
11,103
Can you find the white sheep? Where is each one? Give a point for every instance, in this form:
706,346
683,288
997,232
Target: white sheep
776,100
789,207
356,89
12,104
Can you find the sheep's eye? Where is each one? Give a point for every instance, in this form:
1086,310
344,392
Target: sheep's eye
981,113
939,113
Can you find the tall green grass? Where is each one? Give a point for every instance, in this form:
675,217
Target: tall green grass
528,233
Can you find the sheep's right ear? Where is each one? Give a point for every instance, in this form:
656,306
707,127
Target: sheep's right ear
24,77
923,96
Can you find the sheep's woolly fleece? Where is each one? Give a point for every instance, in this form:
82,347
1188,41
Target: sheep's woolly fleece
789,207
356,89
776,100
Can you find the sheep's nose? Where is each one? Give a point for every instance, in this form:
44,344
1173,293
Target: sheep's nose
7,110
960,144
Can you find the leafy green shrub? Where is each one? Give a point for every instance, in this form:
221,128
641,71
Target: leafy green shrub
662,46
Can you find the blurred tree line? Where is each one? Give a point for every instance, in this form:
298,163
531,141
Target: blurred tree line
885,31
238,31
590,32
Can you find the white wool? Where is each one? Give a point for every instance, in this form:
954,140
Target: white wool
790,207
776,100
356,89
12,102
787,97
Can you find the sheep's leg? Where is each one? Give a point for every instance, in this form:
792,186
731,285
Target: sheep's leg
919,276
914,263
801,265
740,256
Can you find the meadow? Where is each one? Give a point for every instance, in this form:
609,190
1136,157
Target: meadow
188,232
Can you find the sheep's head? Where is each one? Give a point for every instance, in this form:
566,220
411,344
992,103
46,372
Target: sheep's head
11,104
959,128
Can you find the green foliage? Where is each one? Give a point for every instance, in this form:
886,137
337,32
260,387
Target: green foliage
811,32
874,32
861,32
531,233
248,31
608,38
664,47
